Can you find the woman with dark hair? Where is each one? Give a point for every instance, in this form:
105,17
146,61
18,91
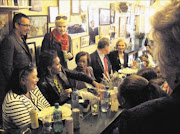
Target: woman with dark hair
148,73
54,79
22,97
118,58
135,89
83,61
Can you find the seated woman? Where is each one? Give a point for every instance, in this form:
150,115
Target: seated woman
150,74
83,60
119,58
54,80
22,97
135,89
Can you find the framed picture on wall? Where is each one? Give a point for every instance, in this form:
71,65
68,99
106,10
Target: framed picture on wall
53,12
36,5
104,16
112,12
32,49
5,23
122,26
75,7
39,26
84,41
65,10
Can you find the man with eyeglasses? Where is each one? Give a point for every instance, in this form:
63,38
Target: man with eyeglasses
59,41
14,52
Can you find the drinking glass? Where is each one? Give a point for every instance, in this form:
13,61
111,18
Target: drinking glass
95,107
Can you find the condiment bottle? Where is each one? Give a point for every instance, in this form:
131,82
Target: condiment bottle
34,119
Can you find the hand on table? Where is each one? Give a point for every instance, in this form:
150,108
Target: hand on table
98,85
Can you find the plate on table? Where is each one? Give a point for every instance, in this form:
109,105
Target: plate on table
66,112
128,71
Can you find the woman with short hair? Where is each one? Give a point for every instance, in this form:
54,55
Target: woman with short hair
22,97
118,57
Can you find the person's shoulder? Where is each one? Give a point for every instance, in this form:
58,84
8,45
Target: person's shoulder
93,53
150,107
12,97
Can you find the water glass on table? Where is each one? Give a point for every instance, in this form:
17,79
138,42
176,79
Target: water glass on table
95,107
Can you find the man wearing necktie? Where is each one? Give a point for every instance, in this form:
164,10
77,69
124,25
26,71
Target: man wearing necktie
99,60
14,52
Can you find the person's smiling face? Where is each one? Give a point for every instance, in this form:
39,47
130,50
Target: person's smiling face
61,28
31,80
82,63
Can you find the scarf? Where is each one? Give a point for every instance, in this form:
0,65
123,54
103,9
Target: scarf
63,40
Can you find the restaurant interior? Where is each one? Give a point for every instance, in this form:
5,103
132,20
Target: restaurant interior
114,19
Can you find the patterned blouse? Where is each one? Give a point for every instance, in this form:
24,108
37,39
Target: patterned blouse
16,108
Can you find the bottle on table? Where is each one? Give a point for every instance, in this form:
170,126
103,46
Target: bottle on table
34,119
138,63
75,98
57,118
105,100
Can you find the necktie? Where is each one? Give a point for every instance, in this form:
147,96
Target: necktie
105,67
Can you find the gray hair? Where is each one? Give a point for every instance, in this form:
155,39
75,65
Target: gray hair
166,36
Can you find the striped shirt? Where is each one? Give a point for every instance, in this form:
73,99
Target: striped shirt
16,108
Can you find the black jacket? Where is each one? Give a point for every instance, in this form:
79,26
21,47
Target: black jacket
97,66
47,45
115,61
49,90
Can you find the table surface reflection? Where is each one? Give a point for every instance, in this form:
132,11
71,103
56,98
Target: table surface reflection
95,124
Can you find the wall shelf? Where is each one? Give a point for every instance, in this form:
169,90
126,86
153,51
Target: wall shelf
14,7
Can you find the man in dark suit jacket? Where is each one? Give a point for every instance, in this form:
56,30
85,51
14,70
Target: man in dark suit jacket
97,62
93,31
14,52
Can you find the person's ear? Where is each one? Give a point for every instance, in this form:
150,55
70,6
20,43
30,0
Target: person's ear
49,68
16,25
23,81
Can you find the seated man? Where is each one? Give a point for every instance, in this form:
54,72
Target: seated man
100,61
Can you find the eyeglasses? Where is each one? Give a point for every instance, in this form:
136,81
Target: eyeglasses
25,25
61,17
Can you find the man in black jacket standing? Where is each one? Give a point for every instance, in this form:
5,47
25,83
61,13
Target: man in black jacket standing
14,52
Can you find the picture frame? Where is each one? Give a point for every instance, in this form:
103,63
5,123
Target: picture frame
75,7
122,26
104,16
85,41
5,23
65,10
36,5
53,12
32,49
39,26
112,13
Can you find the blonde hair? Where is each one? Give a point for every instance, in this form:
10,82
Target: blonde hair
60,20
165,33
121,40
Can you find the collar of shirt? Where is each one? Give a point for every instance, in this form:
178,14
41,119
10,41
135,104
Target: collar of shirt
101,55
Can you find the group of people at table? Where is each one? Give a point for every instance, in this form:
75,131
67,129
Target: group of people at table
147,108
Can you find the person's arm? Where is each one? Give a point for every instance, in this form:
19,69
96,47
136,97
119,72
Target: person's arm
46,42
69,54
6,58
82,77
